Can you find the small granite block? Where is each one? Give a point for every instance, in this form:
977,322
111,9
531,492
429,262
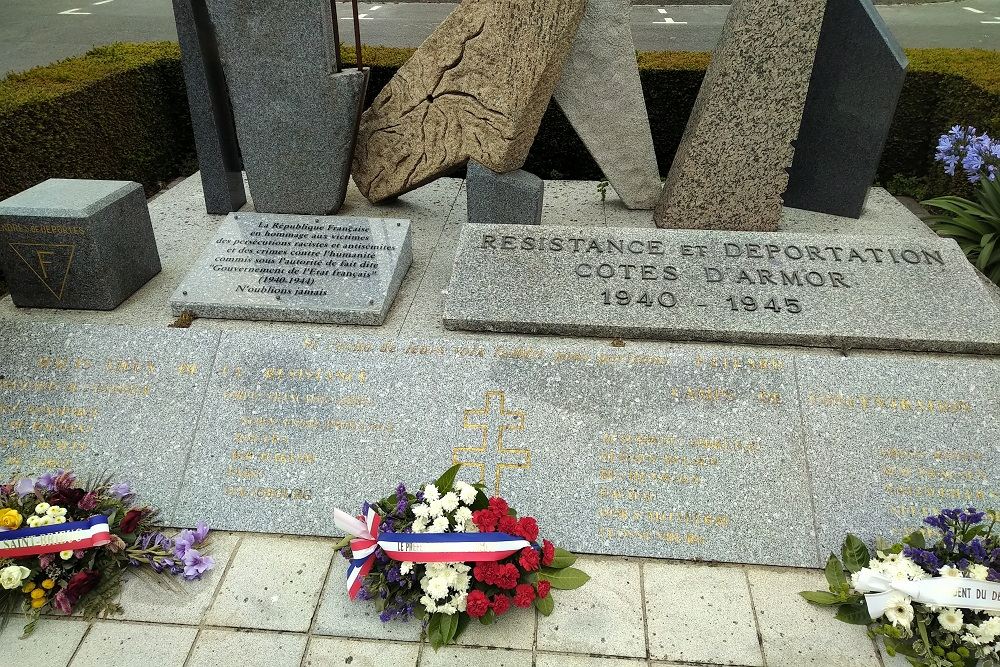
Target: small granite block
777,288
513,198
77,244
219,158
296,118
856,82
731,166
298,268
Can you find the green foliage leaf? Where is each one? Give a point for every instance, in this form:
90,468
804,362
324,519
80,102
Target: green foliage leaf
917,540
564,579
562,559
822,597
488,617
447,480
854,614
835,577
855,554
545,605
442,629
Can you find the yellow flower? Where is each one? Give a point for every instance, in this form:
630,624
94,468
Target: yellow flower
28,587
37,593
48,584
10,519
39,603
42,508
66,555
55,511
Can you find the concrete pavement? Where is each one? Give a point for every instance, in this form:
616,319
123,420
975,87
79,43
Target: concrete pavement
37,32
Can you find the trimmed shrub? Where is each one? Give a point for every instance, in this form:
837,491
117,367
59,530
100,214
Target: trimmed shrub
120,111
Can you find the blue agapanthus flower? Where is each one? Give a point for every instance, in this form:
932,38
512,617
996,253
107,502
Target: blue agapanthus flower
977,154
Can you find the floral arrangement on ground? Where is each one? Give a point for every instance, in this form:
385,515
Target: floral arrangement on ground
933,598
67,546
449,554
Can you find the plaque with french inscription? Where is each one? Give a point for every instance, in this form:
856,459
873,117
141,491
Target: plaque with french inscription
894,439
651,450
102,400
738,287
298,268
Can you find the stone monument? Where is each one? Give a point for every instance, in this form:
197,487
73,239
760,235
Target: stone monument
475,89
601,95
514,198
77,244
856,81
731,167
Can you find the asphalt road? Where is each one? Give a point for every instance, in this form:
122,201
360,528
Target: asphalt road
37,32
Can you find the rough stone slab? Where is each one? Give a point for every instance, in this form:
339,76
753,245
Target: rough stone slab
101,400
512,198
856,81
467,92
904,437
297,268
296,119
73,243
738,287
219,160
730,169
601,74
655,450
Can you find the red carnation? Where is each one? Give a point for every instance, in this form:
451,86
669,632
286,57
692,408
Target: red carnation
485,572
529,559
507,576
527,528
130,521
499,506
79,585
524,595
508,524
485,520
501,603
477,604
548,552
543,588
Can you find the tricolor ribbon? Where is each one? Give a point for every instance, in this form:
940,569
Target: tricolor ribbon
92,532
417,547
957,592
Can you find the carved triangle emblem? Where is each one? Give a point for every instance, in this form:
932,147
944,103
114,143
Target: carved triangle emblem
50,262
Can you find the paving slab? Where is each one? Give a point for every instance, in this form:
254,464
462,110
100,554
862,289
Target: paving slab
325,651
453,656
217,647
52,644
116,644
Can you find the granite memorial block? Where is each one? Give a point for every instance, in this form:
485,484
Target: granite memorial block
651,450
102,401
731,167
512,198
296,268
601,73
296,116
739,287
894,439
856,81
219,159
467,93
77,244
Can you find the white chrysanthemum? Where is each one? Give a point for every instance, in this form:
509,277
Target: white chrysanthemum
449,501
55,511
951,620
989,629
419,525
972,639
431,493
42,508
447,608
466,493
420,510
463,515
461,582
470,527
429,604
951,571
900,611
405,567
437,507
437,588
978,572
460,601
440,525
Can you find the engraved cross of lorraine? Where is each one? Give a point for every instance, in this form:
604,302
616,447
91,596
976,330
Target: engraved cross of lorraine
493,420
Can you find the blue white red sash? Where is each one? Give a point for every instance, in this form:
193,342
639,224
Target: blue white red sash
92,532
417,547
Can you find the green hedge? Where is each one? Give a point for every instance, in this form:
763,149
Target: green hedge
120,112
